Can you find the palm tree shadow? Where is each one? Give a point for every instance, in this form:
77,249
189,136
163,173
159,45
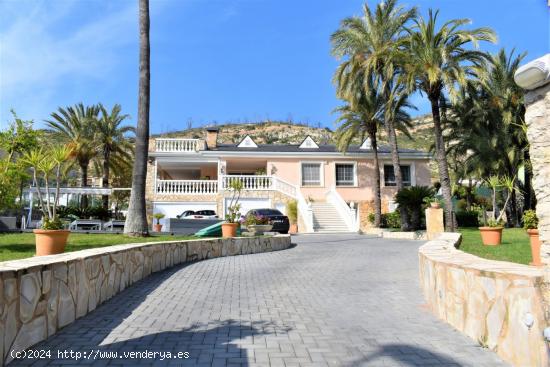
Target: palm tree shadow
406,355
103,333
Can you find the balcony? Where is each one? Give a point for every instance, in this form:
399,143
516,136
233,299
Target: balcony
178,145
211,187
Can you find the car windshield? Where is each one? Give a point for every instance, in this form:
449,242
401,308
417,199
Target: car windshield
268,212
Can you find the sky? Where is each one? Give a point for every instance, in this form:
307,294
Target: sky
211,60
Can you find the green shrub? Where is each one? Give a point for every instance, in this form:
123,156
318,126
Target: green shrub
371,218
292,211
530,220
53,224
467,218
391,220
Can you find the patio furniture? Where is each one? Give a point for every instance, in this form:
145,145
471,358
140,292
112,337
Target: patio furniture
86,224
112,224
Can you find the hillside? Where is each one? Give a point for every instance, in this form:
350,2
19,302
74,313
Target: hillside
275,132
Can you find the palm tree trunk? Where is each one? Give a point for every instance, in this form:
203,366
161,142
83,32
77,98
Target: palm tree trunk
527,198
106,173
136,221
443,167
377,193
392,137
83,183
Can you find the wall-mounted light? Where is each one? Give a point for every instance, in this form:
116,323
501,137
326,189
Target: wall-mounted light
534,74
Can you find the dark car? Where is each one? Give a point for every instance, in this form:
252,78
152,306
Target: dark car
278,220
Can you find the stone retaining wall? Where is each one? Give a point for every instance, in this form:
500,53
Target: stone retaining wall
40,295
498,304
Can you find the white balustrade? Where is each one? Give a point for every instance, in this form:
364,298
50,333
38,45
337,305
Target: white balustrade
250,182
348,214
285,187
177,145
191,187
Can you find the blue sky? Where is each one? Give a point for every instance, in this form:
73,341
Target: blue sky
212,60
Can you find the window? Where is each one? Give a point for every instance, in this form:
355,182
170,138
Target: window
389,177
345,174
311,174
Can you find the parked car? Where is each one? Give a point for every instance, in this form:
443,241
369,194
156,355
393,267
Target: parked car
278,220
198,214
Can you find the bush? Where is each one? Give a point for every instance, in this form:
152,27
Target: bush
391,220
292,211
467,218
530,220
371,218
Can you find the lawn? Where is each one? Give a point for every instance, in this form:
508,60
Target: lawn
21,245
515,245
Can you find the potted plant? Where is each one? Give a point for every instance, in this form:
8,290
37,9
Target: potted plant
158,216
531,223
491,233
433,202
47,165
257,224
292,213
231,224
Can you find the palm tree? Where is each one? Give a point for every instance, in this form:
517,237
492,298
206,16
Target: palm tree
490,112
75,126
437,60
361,121
113,142
136,221
372,45
412,199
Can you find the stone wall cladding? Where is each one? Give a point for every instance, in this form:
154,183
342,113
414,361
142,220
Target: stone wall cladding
41,295
486,300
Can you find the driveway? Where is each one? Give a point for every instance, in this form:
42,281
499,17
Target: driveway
338,300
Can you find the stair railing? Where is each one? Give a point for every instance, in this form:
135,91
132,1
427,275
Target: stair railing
349,215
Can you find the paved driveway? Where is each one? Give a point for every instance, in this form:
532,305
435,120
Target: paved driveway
339,300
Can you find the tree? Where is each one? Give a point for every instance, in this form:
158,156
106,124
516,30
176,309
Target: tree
75,127
489,110
136,221
18,139
372,45
359,122
437,59
113,142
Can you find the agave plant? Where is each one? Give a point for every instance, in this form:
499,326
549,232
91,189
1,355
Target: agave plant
412,199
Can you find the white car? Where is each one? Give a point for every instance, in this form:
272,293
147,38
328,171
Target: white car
198,214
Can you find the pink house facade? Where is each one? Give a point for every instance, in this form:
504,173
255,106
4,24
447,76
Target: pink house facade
333,190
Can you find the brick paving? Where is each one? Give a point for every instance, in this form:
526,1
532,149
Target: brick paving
333,300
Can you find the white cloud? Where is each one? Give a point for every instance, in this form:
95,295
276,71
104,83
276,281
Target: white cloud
37,55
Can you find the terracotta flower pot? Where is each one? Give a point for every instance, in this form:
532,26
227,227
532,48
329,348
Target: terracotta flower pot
229,230
435,205
293,228
157,227
50,242
535,246
491,236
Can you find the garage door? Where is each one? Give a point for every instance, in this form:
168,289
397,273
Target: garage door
249,204
171,210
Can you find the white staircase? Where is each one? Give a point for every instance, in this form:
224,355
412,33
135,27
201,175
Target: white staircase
326,218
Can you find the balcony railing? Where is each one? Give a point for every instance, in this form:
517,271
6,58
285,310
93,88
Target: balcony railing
249,182
206,187
191,187
178,145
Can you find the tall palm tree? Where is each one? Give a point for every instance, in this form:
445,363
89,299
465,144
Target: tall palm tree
437,60
75,126
113,140
136,221
362,121
372,45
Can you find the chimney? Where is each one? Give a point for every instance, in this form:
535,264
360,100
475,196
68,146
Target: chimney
211,137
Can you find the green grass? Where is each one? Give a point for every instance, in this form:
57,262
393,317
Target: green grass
21,245
514,248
